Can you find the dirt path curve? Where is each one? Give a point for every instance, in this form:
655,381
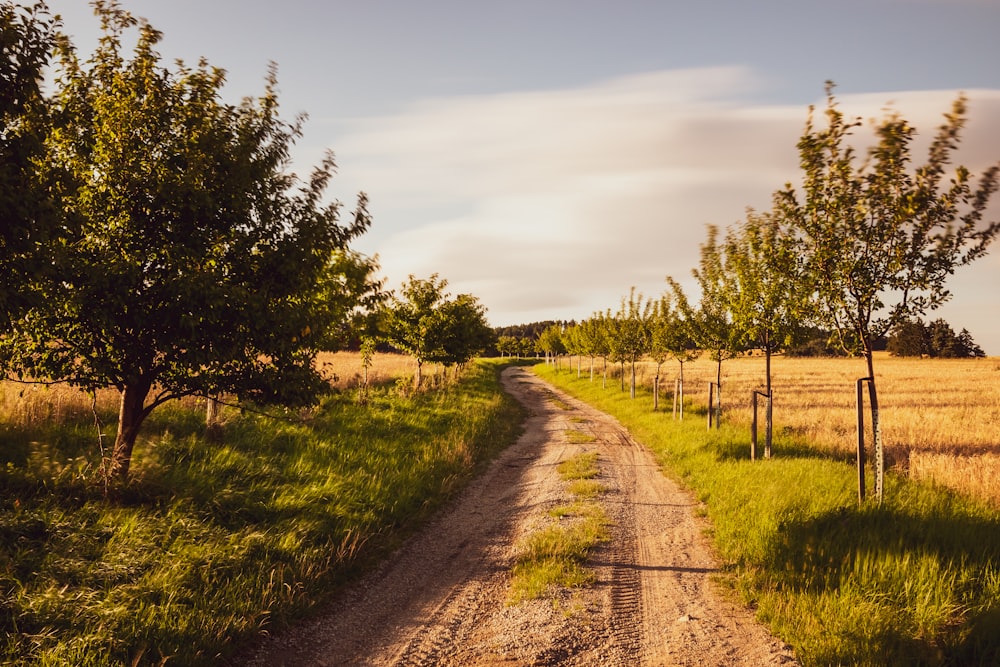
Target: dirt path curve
442,599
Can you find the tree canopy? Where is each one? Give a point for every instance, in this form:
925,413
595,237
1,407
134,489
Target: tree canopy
878,240
27,36
190,260
427,323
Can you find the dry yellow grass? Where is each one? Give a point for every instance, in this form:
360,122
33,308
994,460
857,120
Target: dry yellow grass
345,370
940,417
27,404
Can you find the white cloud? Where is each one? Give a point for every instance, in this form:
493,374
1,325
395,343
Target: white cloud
552,204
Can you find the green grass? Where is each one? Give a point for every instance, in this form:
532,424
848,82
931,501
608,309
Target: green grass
579,437
555,557
583,466
216,541
914,581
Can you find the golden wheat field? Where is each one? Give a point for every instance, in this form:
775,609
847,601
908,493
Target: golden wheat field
940,417
24,404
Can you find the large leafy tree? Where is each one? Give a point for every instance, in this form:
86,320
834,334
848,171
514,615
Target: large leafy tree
189,258
879,239
27,37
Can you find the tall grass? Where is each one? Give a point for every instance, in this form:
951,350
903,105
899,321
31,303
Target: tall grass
220,539
915,581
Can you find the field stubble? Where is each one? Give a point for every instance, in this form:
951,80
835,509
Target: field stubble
940,417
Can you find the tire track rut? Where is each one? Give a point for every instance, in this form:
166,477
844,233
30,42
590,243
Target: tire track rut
442,599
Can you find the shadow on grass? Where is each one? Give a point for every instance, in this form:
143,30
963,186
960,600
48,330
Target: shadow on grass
922,549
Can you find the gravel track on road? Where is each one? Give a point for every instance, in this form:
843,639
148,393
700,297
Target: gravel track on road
442,599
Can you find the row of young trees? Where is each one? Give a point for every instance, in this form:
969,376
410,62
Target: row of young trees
859,248
153,238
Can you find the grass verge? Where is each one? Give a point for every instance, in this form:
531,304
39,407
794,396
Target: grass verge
216,541
555,556
914,581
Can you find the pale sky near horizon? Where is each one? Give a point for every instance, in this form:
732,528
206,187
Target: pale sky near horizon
546,156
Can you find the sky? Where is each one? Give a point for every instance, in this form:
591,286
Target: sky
548,155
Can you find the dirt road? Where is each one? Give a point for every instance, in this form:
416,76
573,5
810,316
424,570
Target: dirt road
442,600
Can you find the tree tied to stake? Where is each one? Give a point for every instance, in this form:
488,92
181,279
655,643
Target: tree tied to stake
878,240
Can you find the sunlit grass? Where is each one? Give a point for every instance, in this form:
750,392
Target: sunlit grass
555,556
940,417
218,540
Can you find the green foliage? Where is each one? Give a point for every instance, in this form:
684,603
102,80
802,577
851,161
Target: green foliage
763,282
913,338
27,36
425,322
879,240
186,256
583,466
911,581
214,543
550,341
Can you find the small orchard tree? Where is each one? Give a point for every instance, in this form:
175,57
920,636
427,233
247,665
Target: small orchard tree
427,323
879,239
662,323
712,324
592,341
528,347
508,346
410,320
681,344
632,329
764,286
550,341
461,331
186,257
574,346
349,297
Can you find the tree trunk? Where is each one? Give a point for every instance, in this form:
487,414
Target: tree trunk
876,425
604,379
656,389
418,378
769,427
632,394
211,411
131,414
679,394
718,389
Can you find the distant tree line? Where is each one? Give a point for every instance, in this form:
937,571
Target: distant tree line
914,338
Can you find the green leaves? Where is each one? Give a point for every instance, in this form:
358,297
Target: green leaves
185,256
425,322
880,239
